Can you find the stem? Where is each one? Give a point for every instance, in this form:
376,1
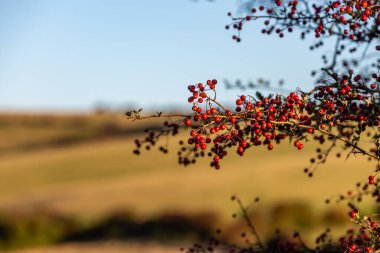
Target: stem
349,143
249,223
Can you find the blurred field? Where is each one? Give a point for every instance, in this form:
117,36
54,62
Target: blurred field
82,166
109,247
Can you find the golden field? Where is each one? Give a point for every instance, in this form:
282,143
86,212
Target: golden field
82,166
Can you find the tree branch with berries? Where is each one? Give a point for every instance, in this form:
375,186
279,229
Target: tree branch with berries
342,109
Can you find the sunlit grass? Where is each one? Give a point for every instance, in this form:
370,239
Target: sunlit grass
92,179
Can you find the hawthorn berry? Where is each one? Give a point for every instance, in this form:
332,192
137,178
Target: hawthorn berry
371,180
187,122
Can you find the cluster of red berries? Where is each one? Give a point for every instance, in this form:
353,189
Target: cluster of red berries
353,16
265,121
352,12
352,23
346,105
366,240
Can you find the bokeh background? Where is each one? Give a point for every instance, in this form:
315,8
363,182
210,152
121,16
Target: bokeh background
68,179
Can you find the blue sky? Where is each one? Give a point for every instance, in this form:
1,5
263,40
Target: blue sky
72,54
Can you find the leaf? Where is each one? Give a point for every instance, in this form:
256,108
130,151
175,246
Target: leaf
259,95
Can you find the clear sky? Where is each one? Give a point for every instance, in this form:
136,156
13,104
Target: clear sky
73,54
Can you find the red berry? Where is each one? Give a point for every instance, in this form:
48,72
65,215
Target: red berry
371,180
239,102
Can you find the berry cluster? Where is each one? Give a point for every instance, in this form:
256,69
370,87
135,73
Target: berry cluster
347,18
367,238
339,110
354,23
